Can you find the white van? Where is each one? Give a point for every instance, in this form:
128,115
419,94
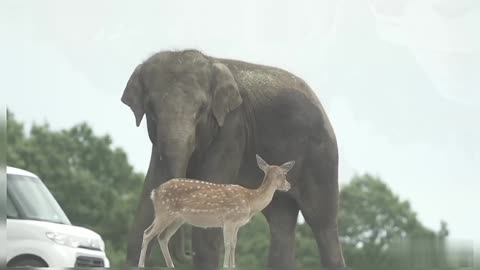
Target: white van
39,233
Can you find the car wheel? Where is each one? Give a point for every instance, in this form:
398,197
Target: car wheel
27,262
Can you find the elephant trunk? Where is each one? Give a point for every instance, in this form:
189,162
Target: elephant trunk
177,153
177,148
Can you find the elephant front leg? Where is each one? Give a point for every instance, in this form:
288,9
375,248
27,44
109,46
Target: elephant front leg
206,245
221,165
143,219
144,214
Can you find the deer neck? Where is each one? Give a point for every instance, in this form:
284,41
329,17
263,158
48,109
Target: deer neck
263,195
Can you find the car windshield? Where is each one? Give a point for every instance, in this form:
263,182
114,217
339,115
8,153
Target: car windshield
32,200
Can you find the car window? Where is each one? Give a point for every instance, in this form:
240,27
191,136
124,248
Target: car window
33,200
11,210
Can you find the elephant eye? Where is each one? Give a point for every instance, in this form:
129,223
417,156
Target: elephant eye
202,108
151,111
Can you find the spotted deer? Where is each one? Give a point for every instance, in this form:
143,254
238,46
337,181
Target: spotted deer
208,205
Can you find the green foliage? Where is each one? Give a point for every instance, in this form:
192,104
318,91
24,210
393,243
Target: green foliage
91,180
377,228
98,189
378,231
370,217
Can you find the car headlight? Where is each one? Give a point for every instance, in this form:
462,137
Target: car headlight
98,243
75,241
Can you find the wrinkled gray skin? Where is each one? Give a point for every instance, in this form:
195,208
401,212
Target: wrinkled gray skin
208,117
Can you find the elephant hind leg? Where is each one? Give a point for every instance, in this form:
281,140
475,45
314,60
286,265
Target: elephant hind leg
282,214
319,205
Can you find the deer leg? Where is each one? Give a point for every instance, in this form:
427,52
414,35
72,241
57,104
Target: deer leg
234,244
156,228
228,231
163,239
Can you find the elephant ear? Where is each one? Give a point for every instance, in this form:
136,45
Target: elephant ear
134,94
226,96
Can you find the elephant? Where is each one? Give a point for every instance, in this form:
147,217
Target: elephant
207,118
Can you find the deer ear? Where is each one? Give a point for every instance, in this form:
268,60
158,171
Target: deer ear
133,95
288,165
261,163
226,96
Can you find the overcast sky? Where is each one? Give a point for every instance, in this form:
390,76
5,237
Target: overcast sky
397,78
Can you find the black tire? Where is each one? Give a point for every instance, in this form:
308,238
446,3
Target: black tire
27,262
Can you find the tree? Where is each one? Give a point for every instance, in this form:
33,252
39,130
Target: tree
3,139
98,189
377,230
91,180
375,223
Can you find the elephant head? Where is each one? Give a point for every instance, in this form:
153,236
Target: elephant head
185,97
